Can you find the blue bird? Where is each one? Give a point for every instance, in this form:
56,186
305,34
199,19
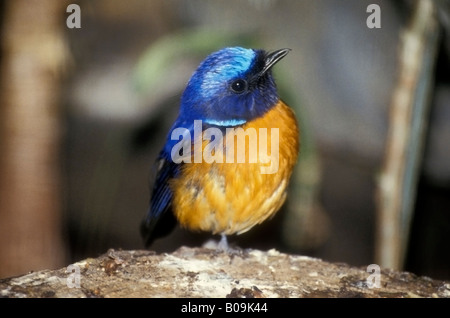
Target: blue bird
209,177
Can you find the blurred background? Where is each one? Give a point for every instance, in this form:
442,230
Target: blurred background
85,111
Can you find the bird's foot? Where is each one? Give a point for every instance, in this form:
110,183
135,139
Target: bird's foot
222,246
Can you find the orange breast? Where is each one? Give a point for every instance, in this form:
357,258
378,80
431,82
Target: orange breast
246,187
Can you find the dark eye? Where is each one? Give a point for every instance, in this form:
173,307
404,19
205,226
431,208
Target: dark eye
238,86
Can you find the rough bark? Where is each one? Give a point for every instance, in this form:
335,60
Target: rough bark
201,272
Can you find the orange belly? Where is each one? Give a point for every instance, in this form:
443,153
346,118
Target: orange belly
233,196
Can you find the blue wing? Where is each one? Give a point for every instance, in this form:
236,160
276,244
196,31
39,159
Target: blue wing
160,220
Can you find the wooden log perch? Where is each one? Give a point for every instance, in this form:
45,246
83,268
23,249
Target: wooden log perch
201,272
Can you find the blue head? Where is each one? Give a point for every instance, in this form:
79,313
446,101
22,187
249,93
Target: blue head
231,86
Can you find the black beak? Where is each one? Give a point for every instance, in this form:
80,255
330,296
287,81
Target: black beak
272,58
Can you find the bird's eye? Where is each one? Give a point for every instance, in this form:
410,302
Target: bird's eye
238,86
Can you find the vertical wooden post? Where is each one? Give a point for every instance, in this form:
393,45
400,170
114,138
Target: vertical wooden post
404,148
30,135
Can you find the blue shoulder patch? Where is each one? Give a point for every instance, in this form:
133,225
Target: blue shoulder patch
225,123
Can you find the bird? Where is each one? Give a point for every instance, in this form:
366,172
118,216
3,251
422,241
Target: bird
209,178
